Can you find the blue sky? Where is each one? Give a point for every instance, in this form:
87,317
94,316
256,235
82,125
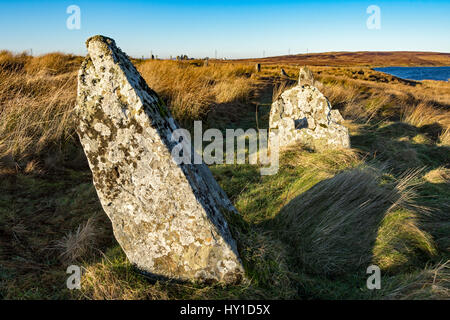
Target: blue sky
236,29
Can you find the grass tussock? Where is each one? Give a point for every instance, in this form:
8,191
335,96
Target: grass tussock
431,283
439,175
76,245
13,62
279,88
444,137
425,114
346,209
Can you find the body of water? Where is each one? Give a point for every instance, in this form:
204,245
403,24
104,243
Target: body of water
418,73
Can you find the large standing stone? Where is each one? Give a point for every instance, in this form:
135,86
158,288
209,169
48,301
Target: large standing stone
303,115
168,218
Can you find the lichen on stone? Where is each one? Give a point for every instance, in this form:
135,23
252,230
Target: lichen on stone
303,115
166,217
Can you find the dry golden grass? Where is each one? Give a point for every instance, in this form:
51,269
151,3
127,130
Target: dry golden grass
33,167
340,95
279,88
438,91
191,91
347,98
438,175
37,96
425,114
36,111
431,283
51,63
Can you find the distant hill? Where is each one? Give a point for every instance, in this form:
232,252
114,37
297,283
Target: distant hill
361,58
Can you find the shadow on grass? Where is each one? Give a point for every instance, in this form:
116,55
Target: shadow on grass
403,146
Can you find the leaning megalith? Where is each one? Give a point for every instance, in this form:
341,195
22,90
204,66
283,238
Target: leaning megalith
303,115
167,217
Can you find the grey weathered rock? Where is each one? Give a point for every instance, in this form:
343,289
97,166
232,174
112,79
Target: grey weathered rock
305,77
283,73
168,218
303,115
